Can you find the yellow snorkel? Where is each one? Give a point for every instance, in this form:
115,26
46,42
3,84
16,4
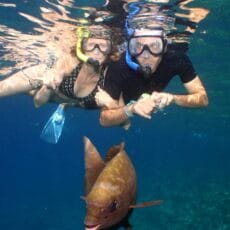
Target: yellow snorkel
81,33
84,33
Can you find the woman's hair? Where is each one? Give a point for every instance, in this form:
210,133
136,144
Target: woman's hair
117,41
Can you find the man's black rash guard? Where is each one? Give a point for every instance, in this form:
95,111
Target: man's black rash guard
121,78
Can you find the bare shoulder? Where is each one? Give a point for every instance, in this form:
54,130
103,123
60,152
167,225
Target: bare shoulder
66,63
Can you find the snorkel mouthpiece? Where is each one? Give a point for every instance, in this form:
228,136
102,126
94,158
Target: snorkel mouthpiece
146,71
95,63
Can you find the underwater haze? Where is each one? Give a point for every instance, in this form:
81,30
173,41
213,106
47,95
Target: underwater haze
181,155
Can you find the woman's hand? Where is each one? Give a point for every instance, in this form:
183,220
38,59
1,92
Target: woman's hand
52,80
103,99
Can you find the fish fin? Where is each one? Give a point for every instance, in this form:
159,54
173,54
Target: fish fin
113,151
123,224
146,204
93,164
127,225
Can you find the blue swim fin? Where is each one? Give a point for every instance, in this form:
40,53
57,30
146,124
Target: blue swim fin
54,126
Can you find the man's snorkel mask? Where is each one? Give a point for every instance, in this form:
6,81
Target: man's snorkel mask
140,25
156,32
85,33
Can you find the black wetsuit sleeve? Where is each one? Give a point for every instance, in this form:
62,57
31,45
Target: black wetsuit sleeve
186,70
113,81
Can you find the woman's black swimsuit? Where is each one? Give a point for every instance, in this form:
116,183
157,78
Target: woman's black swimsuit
67,88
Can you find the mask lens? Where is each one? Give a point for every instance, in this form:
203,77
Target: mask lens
137,45
103,45
88,45
156,46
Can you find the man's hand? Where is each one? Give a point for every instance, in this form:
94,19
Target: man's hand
162,99
144,107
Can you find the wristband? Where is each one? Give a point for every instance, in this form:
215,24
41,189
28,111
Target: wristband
126,109
145,96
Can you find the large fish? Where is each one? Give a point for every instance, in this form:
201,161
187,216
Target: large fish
111,187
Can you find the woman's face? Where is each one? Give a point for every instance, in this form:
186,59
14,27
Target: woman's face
97,48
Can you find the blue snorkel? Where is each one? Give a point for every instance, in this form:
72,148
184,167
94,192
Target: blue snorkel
134,9
135,21
131,63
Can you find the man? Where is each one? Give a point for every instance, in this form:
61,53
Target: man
146,69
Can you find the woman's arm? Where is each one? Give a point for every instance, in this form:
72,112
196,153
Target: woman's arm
22,81
112,112
53,78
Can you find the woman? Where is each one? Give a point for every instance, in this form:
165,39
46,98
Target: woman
74,78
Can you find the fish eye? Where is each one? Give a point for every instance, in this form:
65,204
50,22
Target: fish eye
113,206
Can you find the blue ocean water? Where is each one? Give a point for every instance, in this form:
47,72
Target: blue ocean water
181,156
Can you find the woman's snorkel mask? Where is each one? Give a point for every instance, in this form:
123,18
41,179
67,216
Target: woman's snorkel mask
85,33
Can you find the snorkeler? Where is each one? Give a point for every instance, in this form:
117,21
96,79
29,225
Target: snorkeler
74,78
142,74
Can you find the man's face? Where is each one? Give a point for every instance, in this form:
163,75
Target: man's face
149,51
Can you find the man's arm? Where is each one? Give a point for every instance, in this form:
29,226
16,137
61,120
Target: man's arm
120,115
196,97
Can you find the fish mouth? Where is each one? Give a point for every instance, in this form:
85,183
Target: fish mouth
92,227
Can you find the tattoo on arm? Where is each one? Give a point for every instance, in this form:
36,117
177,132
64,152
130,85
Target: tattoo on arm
51,61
